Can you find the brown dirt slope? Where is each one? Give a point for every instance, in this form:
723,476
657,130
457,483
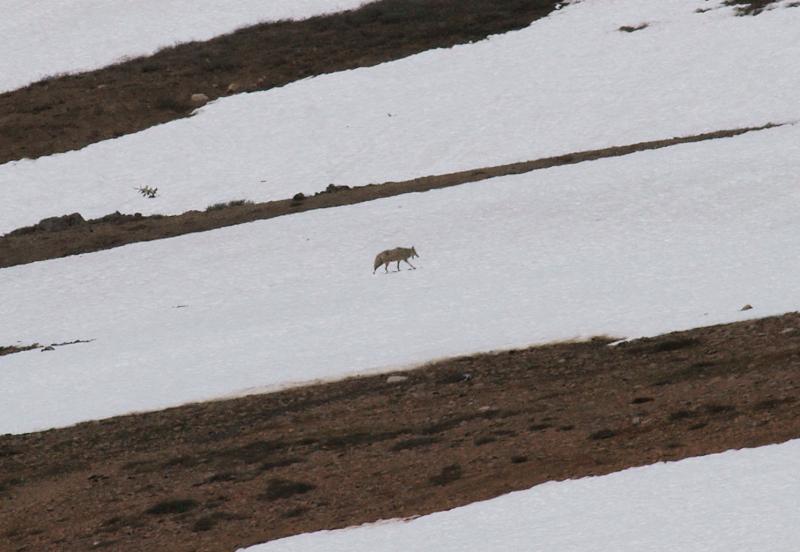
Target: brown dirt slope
216,476
30,244
68,112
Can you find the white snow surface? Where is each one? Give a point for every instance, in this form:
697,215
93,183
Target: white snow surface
571,81
630,246
43,38
737,501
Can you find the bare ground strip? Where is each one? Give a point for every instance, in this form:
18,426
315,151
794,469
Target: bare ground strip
72,235
220,475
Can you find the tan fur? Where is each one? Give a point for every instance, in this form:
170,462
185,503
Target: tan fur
397,254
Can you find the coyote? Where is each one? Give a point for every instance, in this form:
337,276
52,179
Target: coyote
397,254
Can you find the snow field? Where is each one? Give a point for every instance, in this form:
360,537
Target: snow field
48,37
737,501
637,245
571,81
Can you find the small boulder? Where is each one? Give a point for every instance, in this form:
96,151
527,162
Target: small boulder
198,100
332,188
234,87
56,224
747,307
396,379
297,199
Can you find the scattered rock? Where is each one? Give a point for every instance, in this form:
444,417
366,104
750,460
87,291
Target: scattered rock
48,348
297,199
788,330
632,28
116,218
333,188
485,408
396,379
234,87
55,224
747,307
198,100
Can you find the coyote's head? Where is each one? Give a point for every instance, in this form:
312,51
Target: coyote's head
414,252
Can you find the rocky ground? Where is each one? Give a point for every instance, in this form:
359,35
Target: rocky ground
225,474
71,235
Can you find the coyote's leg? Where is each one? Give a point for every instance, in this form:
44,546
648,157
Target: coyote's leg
386,267
398,266
409,264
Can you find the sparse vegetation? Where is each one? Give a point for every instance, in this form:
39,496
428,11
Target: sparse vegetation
295,512
681,415
147,191
414,442
750,7
169,103
602,434
280,463
221,477
6,484
720,408
642,400
205,523
170,507
243,453
447,475
228,205
284,488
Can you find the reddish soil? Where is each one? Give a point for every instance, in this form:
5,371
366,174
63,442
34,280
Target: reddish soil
220,475
30,244
68,112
